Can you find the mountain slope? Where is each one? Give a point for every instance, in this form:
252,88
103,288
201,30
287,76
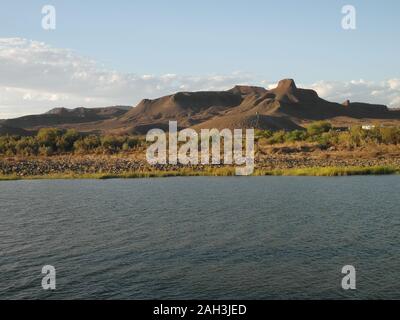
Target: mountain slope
63,116
287,107
284,107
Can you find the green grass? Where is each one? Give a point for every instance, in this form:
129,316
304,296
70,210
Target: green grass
330,171
218,172
228,171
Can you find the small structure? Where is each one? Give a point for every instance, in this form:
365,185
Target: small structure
368,127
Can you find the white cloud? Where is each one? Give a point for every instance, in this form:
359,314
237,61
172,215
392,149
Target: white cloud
384,92
35,77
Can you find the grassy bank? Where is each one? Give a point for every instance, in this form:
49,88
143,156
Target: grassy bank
330,171
218,172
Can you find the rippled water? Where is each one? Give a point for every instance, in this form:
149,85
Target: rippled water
211,238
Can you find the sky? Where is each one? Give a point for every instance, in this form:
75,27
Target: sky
119,52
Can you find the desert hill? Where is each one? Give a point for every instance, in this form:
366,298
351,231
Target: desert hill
5,130
284,107
63,117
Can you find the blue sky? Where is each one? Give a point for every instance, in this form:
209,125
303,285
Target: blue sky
268,40
301,39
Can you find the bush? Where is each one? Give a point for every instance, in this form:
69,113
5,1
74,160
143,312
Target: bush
48,137
69,138
46,151
264,134
296,135
325,140
132,142
389,135
318,128
50,141
27,146
111,143
87,144
357,136
277,137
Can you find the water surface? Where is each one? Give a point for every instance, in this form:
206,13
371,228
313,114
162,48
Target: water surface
201,237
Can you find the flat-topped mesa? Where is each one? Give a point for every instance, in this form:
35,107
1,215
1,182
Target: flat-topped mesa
246,90
182,106
201,100
285,107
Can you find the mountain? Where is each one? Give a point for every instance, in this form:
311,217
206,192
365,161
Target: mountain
5,130
60,117
188,108
285,107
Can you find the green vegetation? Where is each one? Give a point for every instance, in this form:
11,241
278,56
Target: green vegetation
325,135
218,172
183,172
50,141
330,171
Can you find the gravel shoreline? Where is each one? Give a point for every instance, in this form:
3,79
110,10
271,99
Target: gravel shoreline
121,164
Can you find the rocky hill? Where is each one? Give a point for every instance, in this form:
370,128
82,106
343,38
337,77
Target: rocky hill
285,107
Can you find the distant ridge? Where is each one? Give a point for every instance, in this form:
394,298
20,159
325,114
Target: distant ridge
285,107
84,111
5,130
58,117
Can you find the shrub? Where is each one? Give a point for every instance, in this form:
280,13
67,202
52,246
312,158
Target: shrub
389,135
318,128
357,136
87,144
132,142
295,135
48,137
26,146
46,151
277,137
264,134
69,138
111,143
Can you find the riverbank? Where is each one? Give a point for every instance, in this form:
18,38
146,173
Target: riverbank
277,161
217,172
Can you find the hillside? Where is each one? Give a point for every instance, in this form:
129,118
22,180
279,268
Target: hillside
285,107
63,117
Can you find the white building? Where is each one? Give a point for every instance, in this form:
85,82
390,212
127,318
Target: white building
368,127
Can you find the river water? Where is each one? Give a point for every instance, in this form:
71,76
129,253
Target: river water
201,238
